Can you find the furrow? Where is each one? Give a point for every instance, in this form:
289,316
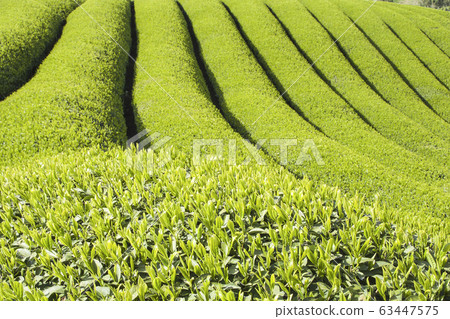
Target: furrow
431,56
284,94
130,119
248,94
280,59
314,40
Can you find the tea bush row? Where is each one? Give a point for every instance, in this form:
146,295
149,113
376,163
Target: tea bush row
342,74
437,61
170,95
76,97
28,29
425,83
372,65
318,102
246,94
432,28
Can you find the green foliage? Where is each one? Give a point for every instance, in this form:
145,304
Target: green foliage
432,28
410,66
27,30
95,222
166,65
246,93
437,61
380,72
342,73
87,225
337,119
75,99
346,78
439,16
422,7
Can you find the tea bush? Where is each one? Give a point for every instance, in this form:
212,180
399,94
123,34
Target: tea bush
332,114
28,29
432,28
75,99
437,61
167,65
343,74
378,70
411,67
87,225
245,93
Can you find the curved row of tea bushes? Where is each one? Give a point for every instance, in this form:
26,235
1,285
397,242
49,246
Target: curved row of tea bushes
425,83
378,71
75,99
342,74
28,29
248,97
86,226
317,101
437,61
432,28
170,95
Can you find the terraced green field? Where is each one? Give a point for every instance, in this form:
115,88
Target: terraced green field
297,150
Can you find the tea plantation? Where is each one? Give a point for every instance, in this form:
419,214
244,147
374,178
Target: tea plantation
296,150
